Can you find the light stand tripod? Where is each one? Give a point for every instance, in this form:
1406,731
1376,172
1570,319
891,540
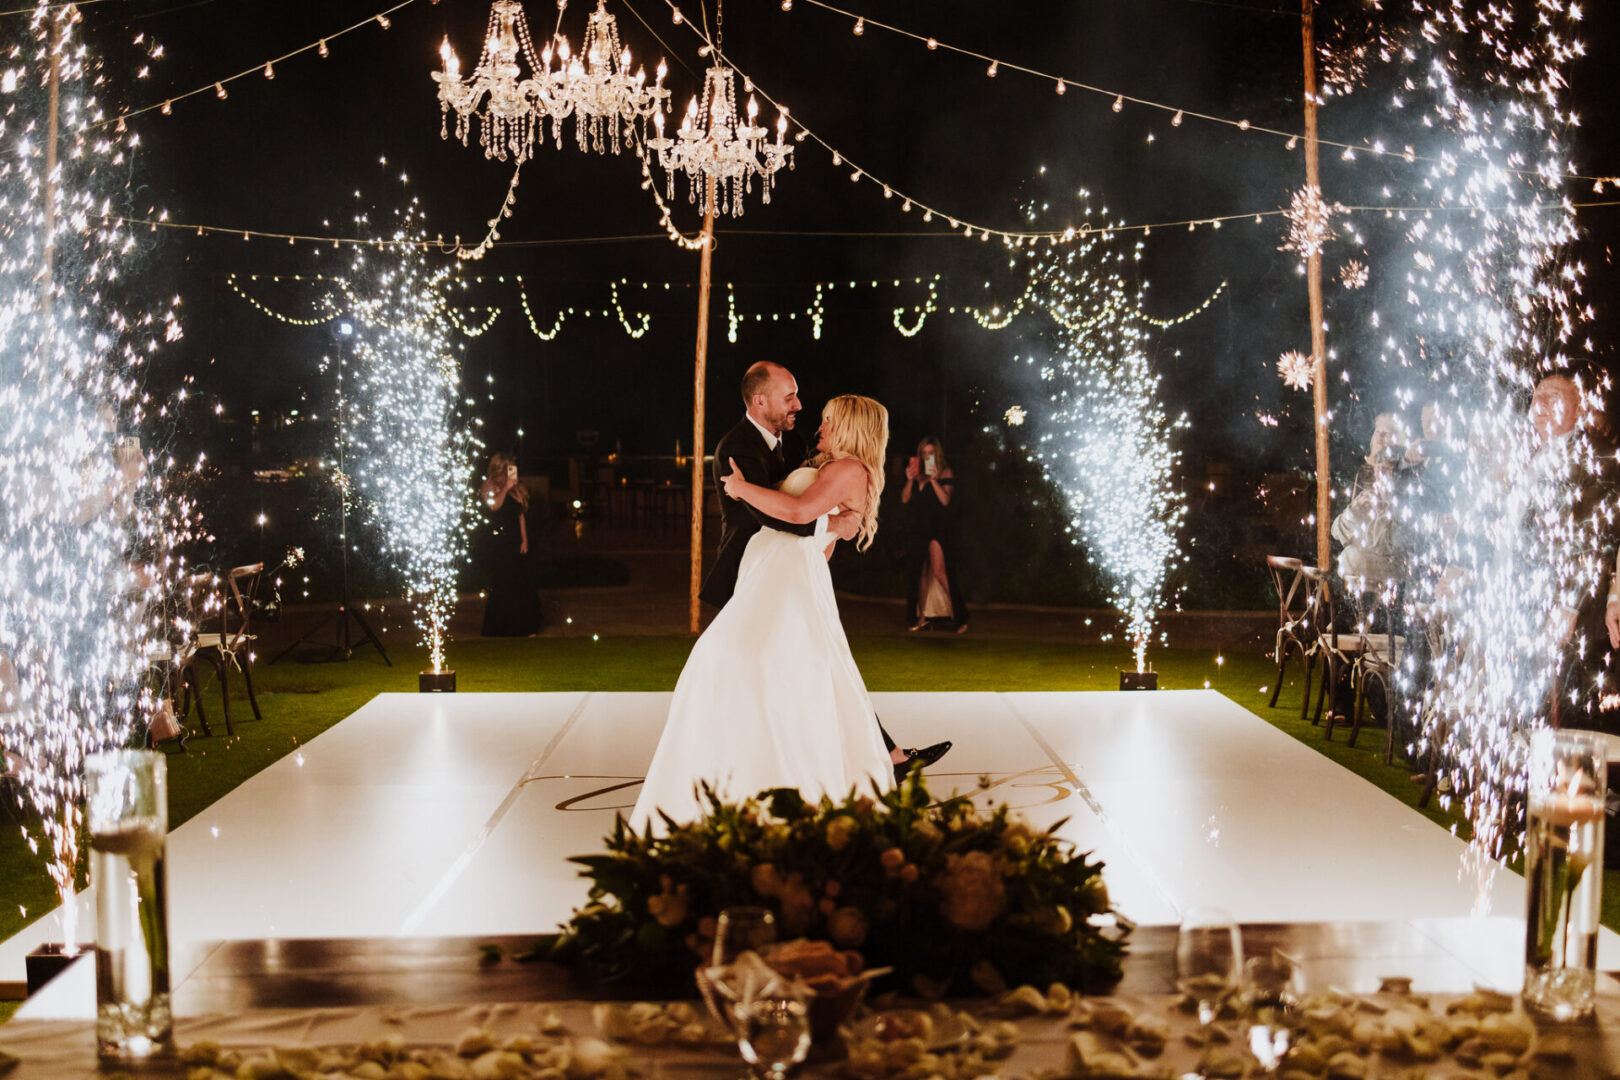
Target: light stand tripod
342,648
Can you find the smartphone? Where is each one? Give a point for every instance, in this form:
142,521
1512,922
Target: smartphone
928,464
912,466
511,470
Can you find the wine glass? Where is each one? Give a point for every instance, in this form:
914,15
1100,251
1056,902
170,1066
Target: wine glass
1209,959
740,930
773,1030
1270,1000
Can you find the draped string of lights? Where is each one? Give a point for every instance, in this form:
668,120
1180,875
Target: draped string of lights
1019,238
90,523
479,250
1216,222
665,219
412,446
475,321
266,70
1188,315
1118,100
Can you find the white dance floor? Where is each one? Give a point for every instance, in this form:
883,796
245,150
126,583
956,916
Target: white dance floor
455,814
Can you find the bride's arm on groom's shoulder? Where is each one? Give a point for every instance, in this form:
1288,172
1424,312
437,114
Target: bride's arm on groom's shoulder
838,482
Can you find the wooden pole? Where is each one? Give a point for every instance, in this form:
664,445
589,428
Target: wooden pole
699,380
1313,177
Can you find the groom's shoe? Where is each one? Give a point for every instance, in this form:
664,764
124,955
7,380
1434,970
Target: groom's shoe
924,757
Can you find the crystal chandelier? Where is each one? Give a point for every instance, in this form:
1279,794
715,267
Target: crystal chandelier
718,150
609,105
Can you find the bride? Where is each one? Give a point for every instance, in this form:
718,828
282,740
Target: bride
770,696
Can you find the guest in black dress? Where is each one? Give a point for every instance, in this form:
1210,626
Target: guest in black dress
512,604
936,582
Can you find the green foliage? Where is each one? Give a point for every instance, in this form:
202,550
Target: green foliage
952,898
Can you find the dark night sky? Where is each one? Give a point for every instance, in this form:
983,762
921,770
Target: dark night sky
290,154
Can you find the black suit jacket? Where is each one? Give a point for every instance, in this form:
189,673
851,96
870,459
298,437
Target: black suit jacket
739,521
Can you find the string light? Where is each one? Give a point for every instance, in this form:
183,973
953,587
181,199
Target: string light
328,308
473,254
1187,315
635,332
472,330
265,67
992,317
1009,238
528,313
665,219
922,311
932,43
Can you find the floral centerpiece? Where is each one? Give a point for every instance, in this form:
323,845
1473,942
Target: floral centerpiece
956,900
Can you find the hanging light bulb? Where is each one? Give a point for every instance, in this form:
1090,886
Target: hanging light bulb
860,27
1061,88
1175,121
324,51
1119,103
995,66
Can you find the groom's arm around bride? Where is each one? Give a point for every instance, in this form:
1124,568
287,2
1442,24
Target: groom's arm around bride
759,464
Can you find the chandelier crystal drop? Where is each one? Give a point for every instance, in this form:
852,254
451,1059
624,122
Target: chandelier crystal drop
715,143
610,106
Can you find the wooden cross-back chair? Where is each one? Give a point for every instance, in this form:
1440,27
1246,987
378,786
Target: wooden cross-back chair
1298,624
233,643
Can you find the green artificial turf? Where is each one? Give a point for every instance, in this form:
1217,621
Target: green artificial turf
299,701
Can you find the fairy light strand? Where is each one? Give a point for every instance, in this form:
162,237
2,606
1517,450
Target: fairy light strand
479,319
263,69
1061,84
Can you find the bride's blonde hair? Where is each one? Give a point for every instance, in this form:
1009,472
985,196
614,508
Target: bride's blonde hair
858,427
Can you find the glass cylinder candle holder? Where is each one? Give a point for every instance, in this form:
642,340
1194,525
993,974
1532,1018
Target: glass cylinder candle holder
1563,871
127,807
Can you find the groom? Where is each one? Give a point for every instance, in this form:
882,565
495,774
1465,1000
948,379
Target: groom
765,450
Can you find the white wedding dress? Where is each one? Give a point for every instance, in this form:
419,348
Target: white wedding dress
770,696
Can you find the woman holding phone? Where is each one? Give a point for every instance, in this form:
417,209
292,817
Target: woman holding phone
511,604
936,590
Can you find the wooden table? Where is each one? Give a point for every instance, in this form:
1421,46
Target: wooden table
335,992
1440,955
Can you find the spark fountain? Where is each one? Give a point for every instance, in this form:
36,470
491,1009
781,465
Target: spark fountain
87,524
1105,442
1479,300
411,447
